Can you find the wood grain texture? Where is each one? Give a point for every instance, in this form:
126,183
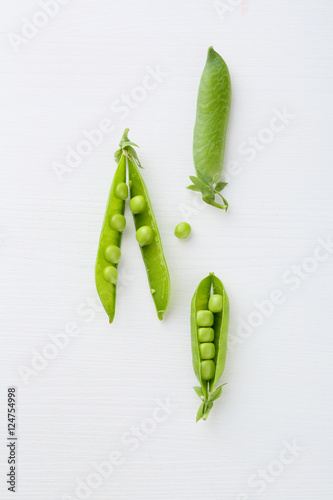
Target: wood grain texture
87,398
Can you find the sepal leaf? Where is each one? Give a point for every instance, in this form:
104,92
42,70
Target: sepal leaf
127,148
200,412
208,193
200,185
220,185
193,188
199,391
125,144
216,394
117,155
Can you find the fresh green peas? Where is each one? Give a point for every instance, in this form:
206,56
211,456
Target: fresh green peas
122,191
111,274
213,108
205,318
215,303
138,204
117,222
207,369
205,334
144,236
207,350
209,334
182,230
112,254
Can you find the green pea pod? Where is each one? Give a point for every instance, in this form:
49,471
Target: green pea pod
110,237
213,108
152,253
209,368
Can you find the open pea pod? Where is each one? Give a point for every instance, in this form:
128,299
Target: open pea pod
209,335
147,233
152,253
110,240
213,108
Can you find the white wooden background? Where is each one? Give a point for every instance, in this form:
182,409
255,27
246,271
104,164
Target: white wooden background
82,404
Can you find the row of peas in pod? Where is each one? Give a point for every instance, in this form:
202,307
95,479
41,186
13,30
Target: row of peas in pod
205,322
147,234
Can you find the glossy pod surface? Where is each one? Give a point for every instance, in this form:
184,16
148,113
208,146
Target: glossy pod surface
212,116
150,241
108,254
209,333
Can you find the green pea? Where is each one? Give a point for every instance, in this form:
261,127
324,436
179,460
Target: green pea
118,222
207,369
138,204
121,191
144,236
182,230
215,303
111,274
205,318
112,254
207,350
205,334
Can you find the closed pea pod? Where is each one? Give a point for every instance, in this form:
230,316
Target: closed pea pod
108,254
209,341
213,108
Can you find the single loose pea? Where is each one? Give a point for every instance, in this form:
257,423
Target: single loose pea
118,222
138,204
205,318
207,369
121,191
112,254
182,230
207,350
215,303
144,235
111,274
206,334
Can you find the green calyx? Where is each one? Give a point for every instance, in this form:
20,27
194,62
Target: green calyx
209,191
127,149
207,401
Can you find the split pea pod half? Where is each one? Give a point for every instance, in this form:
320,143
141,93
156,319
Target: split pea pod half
213,108
108,255
148,237
209,335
